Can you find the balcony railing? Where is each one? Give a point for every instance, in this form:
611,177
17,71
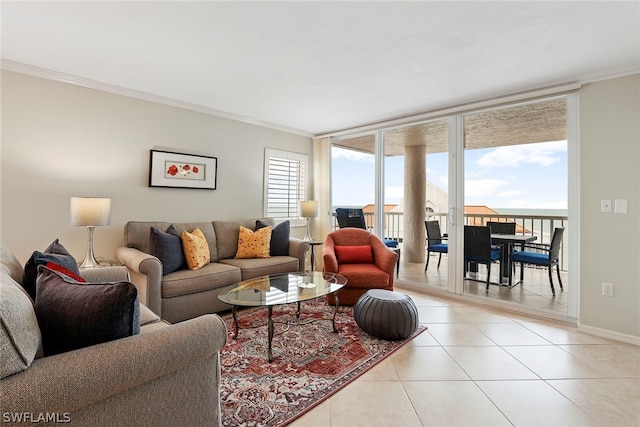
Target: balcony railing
534,225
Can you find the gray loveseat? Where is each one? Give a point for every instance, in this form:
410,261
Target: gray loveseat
185,293
167,375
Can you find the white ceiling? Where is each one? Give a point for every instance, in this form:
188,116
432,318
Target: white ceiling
316,67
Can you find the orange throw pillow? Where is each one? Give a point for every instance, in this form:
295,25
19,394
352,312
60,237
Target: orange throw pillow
354,254
196,249
254,244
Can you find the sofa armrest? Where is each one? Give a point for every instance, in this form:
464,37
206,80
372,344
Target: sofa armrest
298,249
73,381
105,274
146,272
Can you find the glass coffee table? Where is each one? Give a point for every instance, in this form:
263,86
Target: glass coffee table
278,289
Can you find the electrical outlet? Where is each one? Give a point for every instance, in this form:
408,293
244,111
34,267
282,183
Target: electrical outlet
607,289
605,205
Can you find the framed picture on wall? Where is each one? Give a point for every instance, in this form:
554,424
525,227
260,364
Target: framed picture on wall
182,170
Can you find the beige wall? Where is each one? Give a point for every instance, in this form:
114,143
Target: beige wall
610,243
60,140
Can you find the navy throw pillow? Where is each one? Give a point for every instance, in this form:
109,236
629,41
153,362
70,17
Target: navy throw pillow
280,235
74,315
55,253
167,247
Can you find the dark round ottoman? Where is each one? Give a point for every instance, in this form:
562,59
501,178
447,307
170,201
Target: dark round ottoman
386,315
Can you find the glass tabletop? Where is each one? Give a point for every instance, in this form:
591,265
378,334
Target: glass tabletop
283,288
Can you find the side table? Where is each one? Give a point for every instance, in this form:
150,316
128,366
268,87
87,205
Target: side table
313,244
102,262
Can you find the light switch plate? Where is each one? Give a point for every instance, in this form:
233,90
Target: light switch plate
621,206
605,205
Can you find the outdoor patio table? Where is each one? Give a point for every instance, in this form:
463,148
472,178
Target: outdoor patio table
508,241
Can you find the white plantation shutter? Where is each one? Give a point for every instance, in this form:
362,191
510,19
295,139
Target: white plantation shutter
285,183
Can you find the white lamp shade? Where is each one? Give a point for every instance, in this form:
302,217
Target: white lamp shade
308,208
90,211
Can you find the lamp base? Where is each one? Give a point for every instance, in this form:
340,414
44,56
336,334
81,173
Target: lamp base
90,260
307,236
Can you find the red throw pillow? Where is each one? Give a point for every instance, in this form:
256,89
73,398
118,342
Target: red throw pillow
354,254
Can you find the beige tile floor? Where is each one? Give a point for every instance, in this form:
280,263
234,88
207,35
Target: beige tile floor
477,366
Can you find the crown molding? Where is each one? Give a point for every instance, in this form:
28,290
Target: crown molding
56,76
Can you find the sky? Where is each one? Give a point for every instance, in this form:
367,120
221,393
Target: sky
528,176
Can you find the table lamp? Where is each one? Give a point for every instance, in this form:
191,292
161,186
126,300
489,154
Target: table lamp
90,212
308,209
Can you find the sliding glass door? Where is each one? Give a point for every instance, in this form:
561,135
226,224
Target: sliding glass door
353,175
516,175
507,164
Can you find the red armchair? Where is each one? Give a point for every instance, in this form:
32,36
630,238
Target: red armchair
362,258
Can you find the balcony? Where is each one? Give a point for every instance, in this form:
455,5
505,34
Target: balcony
535,292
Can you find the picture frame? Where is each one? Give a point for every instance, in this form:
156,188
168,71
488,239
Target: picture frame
182,170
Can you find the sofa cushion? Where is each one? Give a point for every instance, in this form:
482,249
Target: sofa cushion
147,316
364,276
55,253
227,233
255,267
280,235
20,338
196,249
354,254
253,244
10,264
212,276
73,315
136,234
167,247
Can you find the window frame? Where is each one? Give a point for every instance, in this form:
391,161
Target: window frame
297,192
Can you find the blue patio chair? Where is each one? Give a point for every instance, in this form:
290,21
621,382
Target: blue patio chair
543,255
478,248
354,218
434,242
502,227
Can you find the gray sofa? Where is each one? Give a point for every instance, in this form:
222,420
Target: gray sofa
185,293
167,375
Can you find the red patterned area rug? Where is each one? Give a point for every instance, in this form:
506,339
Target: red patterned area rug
310,362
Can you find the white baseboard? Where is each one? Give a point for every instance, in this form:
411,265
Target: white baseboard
613,335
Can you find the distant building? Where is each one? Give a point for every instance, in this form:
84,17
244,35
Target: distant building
369,209
488,215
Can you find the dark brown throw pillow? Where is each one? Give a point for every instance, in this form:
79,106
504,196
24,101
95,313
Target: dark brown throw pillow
73,315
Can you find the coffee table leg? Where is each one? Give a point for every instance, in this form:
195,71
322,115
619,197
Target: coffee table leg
270,329
234,312
299,310
335,311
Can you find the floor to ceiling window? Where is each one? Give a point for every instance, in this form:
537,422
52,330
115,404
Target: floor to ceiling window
353,175
513,166
516,173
